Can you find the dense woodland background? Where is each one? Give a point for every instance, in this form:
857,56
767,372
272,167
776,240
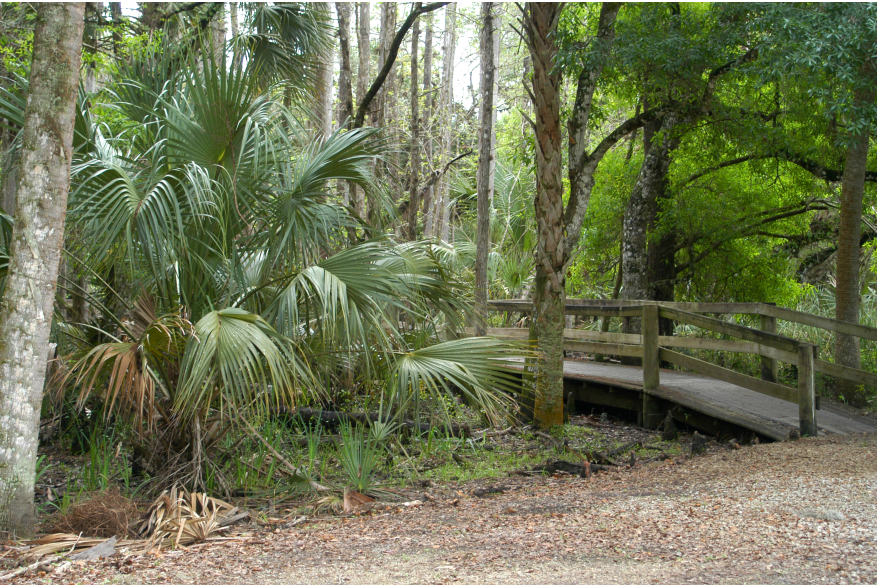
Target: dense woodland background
282,205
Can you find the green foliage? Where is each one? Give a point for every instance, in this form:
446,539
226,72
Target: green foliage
360,453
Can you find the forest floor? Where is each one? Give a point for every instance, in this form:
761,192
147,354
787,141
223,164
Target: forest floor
791,512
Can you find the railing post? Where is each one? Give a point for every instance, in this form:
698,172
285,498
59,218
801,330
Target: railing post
769,367
651,366
807,389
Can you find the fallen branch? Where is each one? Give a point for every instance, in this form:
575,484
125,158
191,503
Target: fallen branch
604,457
23,570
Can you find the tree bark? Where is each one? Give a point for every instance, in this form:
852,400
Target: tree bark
582,164
647,266
485,163
441,210
414,181
116,16
92,17
345,89
27,308
326,87
363,45
549,292
217,34
429,104
847,294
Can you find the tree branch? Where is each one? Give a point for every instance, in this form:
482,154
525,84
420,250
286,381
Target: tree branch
826,173
438,173
723,165
391,59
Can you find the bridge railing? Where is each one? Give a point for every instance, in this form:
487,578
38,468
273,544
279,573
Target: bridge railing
653,348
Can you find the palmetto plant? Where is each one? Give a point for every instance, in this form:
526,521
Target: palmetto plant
214,202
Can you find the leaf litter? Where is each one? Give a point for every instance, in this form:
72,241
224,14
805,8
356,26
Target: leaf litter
738,516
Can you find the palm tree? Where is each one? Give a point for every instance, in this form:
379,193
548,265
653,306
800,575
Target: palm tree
243,293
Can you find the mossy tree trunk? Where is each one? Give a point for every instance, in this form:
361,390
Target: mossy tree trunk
26,311
848,298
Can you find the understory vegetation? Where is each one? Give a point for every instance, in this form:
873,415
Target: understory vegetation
272,215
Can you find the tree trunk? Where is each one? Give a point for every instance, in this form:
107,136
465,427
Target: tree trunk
847,294
27,308
441,211
485,163
549,291
644,260
427,118
345,89
324,91
92,15
217,35
363,45
116,16
414,181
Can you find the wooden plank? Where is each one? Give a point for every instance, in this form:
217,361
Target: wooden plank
807,390
820,322
604,311
767,388
730,346
857,375
606,348
651,362
568,333
769,367
774,340
594,336
572,303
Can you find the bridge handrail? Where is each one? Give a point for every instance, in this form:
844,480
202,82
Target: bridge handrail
585,307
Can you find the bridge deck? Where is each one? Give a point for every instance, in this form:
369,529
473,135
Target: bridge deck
754,411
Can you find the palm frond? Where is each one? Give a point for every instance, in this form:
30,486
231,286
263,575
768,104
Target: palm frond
237,360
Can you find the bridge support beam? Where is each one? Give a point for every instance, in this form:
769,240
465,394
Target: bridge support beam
652,415
769,367
807,389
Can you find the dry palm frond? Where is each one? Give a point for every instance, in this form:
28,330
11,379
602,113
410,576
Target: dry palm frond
179,517
59,542
176,518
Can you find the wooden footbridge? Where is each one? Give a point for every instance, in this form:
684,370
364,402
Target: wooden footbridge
705,395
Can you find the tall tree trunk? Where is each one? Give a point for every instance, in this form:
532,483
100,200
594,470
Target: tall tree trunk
93,17
414,181
486,163
323,119
233,18
441,212
645,259
363,47
549,289
427,119
27,308
847,291
217,34
116,16
385,41
345,89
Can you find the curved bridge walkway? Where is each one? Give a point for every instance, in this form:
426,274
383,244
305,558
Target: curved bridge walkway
706,396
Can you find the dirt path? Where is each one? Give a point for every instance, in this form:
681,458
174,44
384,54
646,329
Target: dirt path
747,516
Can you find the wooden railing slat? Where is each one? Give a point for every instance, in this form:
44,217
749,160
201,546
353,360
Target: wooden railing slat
829,324
772,389
775,340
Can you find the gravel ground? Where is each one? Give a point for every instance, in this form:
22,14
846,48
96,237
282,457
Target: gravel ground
802,512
